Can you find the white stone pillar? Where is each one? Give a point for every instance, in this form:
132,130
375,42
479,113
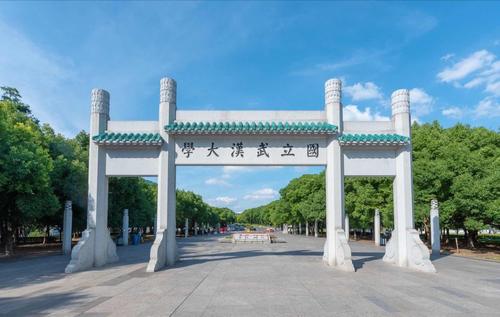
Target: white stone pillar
336,251
435,230
316,228
125,227
376,224
186,228
346,225
67,227
307,228
164,249
96,247
300,228
405,247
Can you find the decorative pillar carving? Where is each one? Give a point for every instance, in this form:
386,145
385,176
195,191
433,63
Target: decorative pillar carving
336,250
376,224
405,247
435,228
125,227
96,247
164,249
67,227
347,229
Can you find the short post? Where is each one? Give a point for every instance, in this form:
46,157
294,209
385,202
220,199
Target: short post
377,227
67,227
346,224
435,231
125,227
186,228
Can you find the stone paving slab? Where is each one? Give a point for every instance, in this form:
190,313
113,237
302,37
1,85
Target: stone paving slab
221,279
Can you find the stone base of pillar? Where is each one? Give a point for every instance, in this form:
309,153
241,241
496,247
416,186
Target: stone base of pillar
111,248
158,254
158,257
343,259
83,255
417,256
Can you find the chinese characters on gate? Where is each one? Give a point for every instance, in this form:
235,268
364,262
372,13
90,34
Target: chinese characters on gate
238,150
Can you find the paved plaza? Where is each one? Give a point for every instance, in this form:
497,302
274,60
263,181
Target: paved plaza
223,279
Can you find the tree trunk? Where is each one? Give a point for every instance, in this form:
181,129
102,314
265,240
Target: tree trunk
8,237
472,239
427,229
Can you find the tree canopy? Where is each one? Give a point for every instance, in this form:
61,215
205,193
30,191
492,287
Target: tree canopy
459,166
41,169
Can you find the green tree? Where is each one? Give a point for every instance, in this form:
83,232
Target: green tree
25,165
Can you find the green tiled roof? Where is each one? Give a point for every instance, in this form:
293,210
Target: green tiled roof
251,128
379,139
113,138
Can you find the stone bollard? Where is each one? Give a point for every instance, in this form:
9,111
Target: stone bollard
435,231
67,227
346,224
377,227
125,227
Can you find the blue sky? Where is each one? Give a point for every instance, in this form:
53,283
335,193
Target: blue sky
252,55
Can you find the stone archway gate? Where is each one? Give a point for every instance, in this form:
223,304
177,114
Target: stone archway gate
155,148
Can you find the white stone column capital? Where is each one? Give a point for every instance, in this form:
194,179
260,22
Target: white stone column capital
434,205
100,101
333,91
168,90
400,101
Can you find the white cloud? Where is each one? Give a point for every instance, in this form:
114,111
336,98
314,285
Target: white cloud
474,62
494,88
352,113
216,181
447,57
421,101
262,194
366,91
475,82
224,200
488,107
228,170
232,169
453,112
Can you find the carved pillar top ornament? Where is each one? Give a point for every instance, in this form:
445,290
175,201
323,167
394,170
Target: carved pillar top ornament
168,88
434,205
333,91
100,101
400,101
68,205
